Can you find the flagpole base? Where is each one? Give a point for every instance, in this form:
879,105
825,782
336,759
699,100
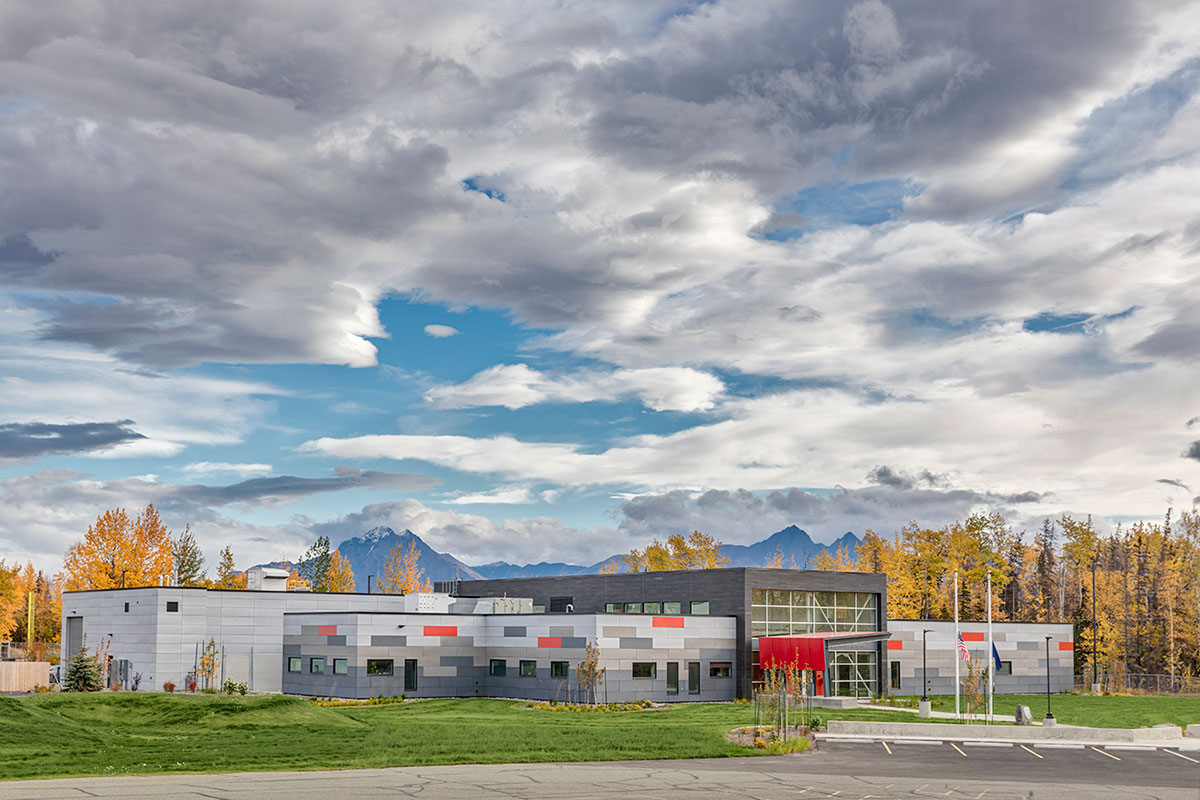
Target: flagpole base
1095,688
923,708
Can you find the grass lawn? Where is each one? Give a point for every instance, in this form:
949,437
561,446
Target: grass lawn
1097,711
56,735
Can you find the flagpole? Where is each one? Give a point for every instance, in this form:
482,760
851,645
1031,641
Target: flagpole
956,653
991,687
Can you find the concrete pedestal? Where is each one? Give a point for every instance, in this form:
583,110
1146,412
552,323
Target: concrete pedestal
923,708
1049,722
1095,688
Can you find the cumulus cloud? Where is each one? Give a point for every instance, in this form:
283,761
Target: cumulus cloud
211,467
513,495
1193,450
31,439
441,331
519,385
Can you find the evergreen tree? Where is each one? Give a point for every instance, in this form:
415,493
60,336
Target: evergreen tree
83,672
314,567
189,561
227,577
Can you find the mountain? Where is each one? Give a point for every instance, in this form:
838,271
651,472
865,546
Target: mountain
368,555
795,544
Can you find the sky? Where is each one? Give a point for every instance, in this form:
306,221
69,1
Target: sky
543,281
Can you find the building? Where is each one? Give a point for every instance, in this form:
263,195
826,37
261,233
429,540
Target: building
1021,646
762,602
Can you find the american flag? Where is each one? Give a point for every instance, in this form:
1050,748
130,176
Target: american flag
962,648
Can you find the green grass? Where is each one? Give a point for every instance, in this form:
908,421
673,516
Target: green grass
1097,711
56,735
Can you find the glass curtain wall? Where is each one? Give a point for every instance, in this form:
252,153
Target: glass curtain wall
778,612
853,672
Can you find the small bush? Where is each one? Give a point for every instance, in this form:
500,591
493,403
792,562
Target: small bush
779,748
370,701
168,686
230,686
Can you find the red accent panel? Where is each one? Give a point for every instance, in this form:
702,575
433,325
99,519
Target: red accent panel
327,630
549,641
778,652
1066,645
441,630
895,644
667,622
973,636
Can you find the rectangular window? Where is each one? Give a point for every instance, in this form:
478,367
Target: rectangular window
719,669
379,666
410,674
172,605
1005,668
693,677
699,606
559,669
645,669
558,605
652,608
316,666
895,674
528,669
539,608
339,666
293,664
127,608
612,608
498,666
672,677
672,607
633,608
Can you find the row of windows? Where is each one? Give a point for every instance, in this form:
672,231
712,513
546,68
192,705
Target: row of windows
1005,669
698,607
528,669
799,598
375,666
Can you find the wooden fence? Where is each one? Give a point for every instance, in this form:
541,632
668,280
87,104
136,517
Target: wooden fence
23,676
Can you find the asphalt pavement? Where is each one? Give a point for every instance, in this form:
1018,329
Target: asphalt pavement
844,770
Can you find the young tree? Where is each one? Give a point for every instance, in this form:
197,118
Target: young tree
84,673
210,662
189,561
341,577
402,573
227,574
118,551
588,673
314,566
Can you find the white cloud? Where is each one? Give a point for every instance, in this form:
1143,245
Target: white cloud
513,495
213,467
441,331
519,385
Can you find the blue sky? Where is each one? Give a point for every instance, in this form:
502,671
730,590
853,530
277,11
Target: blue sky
562,279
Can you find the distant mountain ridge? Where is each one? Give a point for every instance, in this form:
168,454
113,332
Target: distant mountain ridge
368,555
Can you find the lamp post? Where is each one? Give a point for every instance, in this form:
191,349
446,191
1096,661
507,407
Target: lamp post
123,577
1049,717
923,707
369,577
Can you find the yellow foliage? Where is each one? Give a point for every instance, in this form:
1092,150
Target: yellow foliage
227,575
402,573
341,577
697,551
116,546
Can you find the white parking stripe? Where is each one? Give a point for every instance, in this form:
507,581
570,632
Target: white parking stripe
1181,755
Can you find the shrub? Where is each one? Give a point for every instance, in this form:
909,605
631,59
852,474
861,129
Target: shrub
83,672
168,686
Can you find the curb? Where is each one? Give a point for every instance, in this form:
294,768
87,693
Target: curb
1173,744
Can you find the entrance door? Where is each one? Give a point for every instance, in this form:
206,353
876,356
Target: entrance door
672,677
693,677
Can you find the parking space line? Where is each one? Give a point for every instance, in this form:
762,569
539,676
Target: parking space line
885,747
1181,755
1027,750
960,752
1101,752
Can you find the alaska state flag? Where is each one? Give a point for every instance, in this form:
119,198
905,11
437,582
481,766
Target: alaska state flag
995,657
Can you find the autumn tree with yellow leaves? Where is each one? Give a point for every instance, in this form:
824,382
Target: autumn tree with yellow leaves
118,550
402,574
341,577
227,574
697,551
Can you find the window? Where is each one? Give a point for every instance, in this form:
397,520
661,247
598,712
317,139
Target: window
172,605
693,677
719,669
895,674
775,611
612,608
539,608
699,606
410,674
559,669
379,666
558,605
127,608
672,607
498,666
339,666
293,664
1005,668
316,666
633,608
672,677
528,669
852,673
645,669
652,608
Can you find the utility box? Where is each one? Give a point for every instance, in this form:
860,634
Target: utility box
266,579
